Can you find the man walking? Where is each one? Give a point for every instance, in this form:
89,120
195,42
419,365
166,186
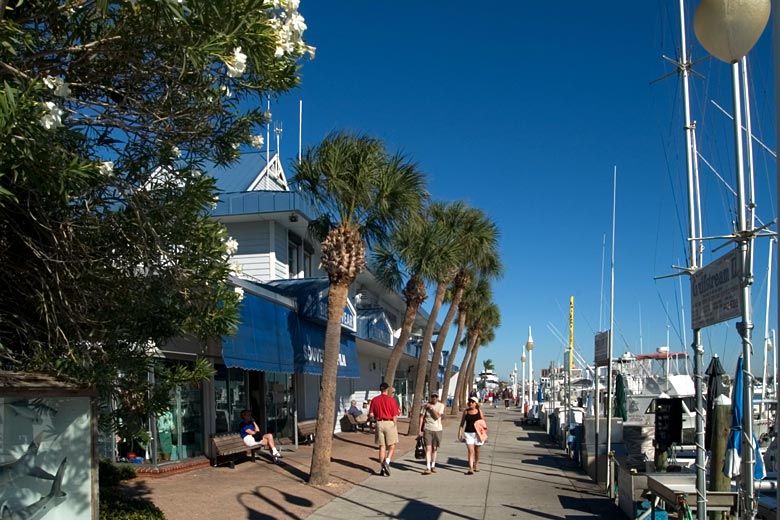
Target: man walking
384,410
431,430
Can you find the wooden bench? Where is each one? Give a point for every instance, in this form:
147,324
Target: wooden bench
230,444
355,425
307,430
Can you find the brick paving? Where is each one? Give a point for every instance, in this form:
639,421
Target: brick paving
262,490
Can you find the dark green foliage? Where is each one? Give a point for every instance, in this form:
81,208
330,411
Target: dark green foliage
116,505
112,474
109,113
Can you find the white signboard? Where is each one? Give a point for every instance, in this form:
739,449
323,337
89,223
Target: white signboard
602,348
715,291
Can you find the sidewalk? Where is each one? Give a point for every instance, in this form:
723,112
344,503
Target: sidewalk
522,476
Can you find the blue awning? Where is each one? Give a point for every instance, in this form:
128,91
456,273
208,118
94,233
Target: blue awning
312,297
271,337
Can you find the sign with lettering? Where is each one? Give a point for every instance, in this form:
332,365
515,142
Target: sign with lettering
602,348
715,291
668,421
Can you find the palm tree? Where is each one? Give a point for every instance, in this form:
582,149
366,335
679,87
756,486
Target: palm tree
414,254
448,221
488,365
479,246
481,321
484,334
475,292
363,193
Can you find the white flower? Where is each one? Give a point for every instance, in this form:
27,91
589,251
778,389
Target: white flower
240,293
235,268
106,168
214,201
52,119
237,65
297,23
267,115
175,151
257,141
226,90
231,246
58,85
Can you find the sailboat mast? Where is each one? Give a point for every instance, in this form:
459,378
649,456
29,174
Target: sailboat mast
766,320
694,244
611,335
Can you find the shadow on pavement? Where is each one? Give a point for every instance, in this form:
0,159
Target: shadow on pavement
415,510
351,464
253,514
541,514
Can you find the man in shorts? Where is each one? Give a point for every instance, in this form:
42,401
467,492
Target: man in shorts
384,410
431,430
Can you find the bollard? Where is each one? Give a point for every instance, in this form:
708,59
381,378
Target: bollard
721,427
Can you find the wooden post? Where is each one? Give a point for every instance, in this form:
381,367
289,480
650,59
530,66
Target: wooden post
721,428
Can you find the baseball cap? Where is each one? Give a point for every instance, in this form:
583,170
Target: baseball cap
434,394
474,399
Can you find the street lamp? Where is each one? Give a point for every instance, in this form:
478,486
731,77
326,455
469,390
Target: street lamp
522,386
529,346
728,29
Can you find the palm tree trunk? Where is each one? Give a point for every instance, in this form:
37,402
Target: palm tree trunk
398,350
326,411
433,372
472,364
422,361
459,394
451,358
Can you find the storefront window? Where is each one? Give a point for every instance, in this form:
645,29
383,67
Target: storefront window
187,418
230,387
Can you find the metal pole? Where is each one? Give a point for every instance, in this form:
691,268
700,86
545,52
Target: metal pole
611,325
701,475
744,327
776,48
693,264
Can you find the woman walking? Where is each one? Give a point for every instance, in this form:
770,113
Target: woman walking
467,431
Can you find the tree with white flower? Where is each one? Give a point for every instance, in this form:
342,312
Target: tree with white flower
109,112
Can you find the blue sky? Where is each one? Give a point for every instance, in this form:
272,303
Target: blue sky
523,110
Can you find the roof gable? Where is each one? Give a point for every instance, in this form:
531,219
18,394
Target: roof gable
271,177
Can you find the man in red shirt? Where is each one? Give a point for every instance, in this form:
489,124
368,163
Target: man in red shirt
385,410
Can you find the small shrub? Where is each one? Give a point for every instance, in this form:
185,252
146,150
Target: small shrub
112,474
114,502
115,505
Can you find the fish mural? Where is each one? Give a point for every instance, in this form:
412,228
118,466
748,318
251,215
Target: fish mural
46,503
24,465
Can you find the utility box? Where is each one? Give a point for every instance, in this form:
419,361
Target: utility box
48,454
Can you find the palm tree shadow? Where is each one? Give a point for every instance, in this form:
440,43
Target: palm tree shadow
353,465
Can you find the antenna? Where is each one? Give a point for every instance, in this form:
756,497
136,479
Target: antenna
268,133
300,129
641,349
278,132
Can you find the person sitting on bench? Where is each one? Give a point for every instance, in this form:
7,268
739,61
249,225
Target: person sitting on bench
357,413
249,429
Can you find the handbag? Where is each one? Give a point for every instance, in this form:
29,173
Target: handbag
419,450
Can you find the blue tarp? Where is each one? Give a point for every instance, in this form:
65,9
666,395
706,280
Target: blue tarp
273,338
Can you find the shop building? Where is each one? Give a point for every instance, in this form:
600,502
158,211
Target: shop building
273,364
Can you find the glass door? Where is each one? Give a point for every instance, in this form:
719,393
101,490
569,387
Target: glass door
279,404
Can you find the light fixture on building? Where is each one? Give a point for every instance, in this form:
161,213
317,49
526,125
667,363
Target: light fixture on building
293,217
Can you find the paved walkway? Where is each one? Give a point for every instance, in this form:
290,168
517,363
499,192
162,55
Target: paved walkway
522,475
